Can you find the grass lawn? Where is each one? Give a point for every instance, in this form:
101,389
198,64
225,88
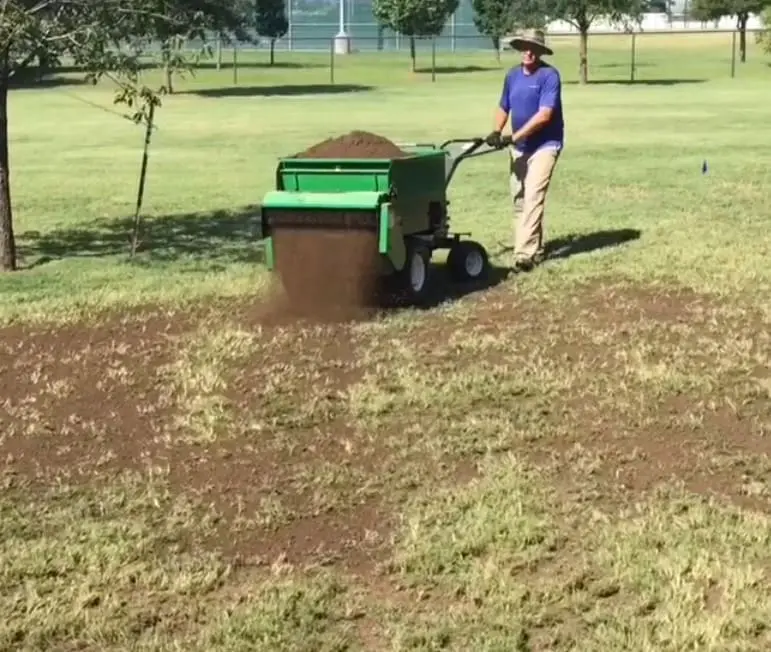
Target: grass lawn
574,459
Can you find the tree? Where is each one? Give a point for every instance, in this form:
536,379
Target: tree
716,9
763,37
106,38
174,23
582,13
414,18
271,21
496,18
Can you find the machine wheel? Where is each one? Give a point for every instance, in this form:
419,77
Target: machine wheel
468,261
414,278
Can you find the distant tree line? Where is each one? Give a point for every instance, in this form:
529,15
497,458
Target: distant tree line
497,18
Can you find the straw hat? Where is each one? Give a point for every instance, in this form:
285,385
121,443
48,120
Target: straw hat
533,39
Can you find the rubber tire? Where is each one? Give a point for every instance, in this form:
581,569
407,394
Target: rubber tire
417,254
468,262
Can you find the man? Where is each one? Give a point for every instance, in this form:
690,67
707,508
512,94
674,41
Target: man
532,97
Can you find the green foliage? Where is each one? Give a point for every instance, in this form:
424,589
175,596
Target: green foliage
716,9
270,18
741,9
106,38
582,13
414,17
659,6
763,38
495,18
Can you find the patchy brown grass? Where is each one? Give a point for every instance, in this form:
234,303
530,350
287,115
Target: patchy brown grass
588,469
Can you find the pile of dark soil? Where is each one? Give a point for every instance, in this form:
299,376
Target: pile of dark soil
356,144
333,274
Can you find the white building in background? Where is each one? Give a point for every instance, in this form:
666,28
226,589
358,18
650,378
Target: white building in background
676,22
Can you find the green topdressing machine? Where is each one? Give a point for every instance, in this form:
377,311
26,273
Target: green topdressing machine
402,200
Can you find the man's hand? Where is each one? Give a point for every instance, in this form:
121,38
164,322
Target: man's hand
494,139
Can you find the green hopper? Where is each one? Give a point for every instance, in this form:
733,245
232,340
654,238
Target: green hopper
402,200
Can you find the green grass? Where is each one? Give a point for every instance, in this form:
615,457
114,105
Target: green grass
211,160
576,459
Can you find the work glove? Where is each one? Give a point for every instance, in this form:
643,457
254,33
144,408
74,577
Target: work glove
494,139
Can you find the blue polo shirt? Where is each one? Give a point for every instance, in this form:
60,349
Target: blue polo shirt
524,94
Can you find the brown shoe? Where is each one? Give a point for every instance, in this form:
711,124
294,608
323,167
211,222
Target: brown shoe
525,264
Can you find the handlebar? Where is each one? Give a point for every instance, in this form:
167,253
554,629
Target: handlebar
468,148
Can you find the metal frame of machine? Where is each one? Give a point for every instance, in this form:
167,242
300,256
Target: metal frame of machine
403,200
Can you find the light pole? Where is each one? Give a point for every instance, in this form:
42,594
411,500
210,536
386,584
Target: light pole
342,40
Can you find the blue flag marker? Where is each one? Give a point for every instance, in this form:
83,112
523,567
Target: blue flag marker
704,167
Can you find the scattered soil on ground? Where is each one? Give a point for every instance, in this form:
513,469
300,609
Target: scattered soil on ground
293,478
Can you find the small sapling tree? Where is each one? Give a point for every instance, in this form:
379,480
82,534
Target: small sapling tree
414,18
271,21
175,23
106,38
581,14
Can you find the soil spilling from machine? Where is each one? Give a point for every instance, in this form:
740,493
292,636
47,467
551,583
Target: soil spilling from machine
328,273
354,220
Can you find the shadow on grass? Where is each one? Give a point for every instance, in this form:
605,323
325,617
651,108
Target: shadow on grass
209,64
284,90
450,70
638,82
443,289
582,243
257,65
31,83
624,66
224,236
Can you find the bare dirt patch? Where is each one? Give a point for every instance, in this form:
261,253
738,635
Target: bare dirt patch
665,385
304,439
242,416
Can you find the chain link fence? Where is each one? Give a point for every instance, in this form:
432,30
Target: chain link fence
612,56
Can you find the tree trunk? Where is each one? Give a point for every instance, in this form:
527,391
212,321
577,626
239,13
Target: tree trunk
412,52
583,57
166,55
7,240
497,46
272,51
742,19
169,81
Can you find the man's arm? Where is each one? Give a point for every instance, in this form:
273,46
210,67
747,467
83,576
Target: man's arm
502,112
550,94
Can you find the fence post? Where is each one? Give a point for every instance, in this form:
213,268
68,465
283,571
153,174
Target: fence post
733,54
433,58
332,61
634,55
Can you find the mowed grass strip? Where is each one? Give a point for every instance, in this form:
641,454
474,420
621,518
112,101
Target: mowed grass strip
631,174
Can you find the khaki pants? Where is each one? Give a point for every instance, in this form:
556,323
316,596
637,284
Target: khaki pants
529,176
